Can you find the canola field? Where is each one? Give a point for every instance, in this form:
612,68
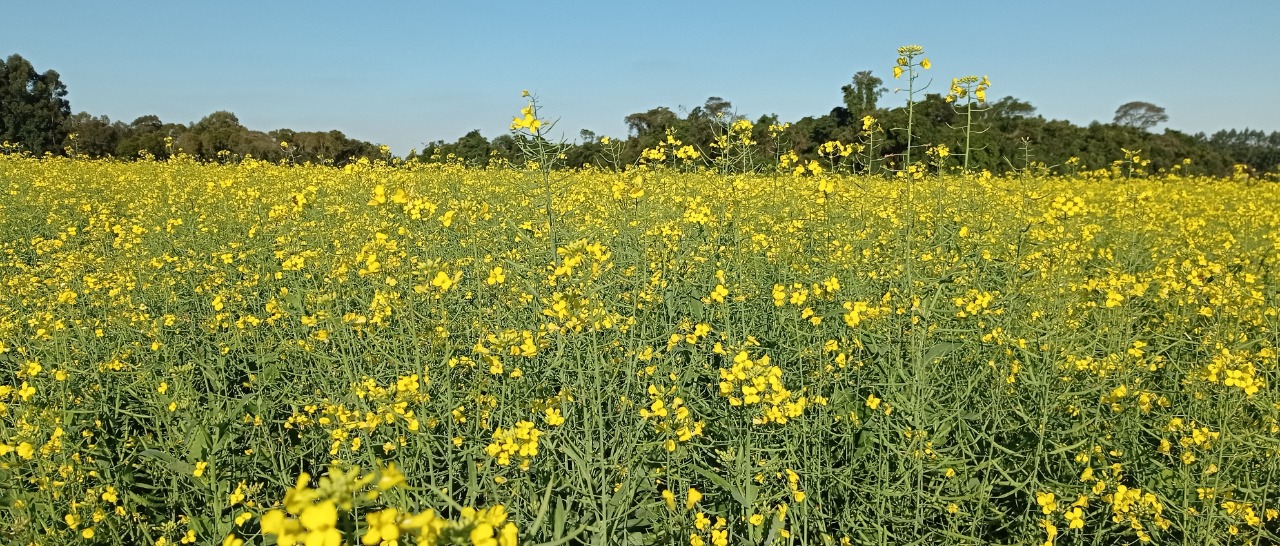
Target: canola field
431,354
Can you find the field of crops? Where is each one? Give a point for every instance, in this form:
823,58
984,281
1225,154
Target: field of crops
425,354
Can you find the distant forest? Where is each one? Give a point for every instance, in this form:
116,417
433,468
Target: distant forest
35,117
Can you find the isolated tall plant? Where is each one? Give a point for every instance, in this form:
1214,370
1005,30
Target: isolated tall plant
907,65
540,155
974,91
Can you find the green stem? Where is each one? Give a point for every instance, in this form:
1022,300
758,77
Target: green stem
968,131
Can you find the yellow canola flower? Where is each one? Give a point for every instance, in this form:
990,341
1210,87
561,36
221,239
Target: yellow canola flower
1050,530
383,527
553,417
1075,518
527,120
390,477
669,498
719,293
299,496
695,497
1046,501
321,520
521,441
443,281
496,276
379,196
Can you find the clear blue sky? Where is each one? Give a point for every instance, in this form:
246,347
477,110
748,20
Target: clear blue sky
404,73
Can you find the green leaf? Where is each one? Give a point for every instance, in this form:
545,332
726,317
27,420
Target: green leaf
198,447
743,497
557,526
940,349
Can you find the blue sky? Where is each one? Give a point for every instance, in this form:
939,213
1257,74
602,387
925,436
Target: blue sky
404,73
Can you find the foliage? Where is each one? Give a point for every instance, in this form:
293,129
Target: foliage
861,96
787,357
1012,136
1140,114
217,137
33,106
35,117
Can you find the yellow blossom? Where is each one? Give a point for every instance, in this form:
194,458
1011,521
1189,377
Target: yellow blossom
694,497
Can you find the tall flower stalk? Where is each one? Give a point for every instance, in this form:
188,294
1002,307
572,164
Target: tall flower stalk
908,65
541,155
974,91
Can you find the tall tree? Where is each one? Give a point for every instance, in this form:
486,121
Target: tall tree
716,107
1139,114
655,120
861,96
1010,108
704,123
33,106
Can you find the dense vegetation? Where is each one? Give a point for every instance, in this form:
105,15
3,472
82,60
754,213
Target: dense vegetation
658,357
35,114
716,337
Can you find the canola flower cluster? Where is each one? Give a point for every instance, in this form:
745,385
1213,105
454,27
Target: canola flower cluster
758,382
520,441
673,421
312,516
823,358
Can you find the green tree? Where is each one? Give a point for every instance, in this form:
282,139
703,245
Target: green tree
1250,147
220,131
1009,108
93,136
33,106
1141,115
861,96
145,136
654,122
321,147
705,123
472,149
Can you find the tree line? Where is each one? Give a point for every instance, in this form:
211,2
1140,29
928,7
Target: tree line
36,117
1006,134
216,137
